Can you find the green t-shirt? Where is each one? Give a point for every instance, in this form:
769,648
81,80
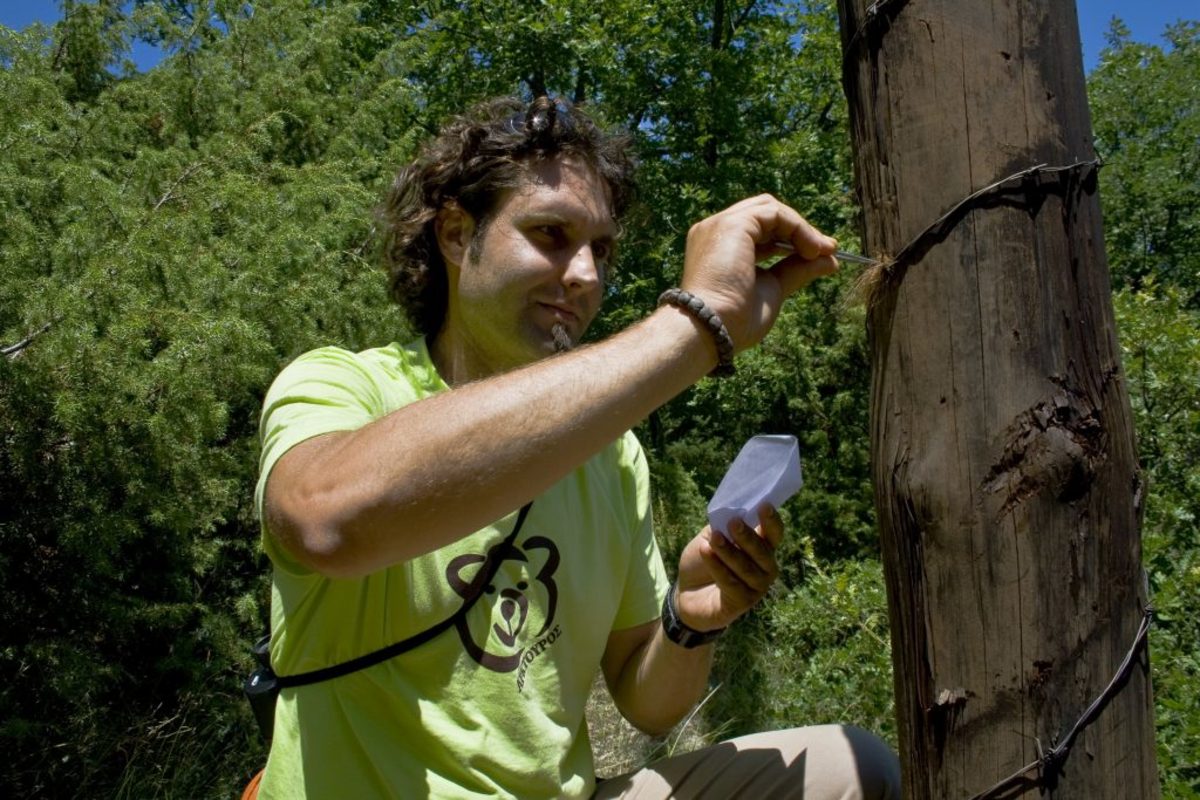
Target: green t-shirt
495,706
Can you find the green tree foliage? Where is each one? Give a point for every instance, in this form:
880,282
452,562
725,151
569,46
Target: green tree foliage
172,238
1160,340
828,655
1147,124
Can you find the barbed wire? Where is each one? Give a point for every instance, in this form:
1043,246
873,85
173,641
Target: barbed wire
1049,764
1026,184
1024,189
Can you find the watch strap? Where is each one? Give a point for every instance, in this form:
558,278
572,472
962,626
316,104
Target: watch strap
675,628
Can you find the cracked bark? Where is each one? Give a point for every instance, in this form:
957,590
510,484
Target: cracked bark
1002,450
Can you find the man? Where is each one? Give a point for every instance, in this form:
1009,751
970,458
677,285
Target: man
390,478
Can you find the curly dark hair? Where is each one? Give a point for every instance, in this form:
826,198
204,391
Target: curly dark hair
471,162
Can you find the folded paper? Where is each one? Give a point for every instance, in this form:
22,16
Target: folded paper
767,470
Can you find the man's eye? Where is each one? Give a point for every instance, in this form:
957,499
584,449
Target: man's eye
601,251
551,232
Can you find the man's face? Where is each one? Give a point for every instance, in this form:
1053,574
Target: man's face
535,274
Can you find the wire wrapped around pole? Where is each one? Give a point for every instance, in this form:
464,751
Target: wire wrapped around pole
1050,762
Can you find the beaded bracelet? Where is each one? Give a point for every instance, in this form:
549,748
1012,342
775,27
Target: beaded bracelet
695,306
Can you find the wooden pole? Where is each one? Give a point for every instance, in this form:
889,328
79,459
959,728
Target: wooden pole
1003,457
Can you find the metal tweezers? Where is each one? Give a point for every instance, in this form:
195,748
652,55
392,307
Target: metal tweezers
840,255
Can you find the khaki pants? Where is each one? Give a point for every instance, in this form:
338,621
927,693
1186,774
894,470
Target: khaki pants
821,762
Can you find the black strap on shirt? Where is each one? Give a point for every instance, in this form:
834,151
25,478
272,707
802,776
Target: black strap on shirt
474,591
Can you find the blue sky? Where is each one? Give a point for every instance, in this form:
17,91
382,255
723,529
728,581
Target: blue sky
1145,18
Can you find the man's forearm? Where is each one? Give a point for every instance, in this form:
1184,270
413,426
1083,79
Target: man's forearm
662,683
448,465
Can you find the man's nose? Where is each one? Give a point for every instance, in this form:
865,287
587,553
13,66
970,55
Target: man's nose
584,270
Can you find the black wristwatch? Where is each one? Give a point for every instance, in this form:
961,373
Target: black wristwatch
678,632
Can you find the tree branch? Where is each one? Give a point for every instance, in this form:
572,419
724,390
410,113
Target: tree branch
741,19
170,192
718,24
580,93
14,350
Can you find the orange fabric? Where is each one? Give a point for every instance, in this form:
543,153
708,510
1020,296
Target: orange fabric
251,791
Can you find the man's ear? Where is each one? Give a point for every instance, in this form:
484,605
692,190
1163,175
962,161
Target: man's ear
454,228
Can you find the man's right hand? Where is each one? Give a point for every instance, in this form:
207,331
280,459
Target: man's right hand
723,251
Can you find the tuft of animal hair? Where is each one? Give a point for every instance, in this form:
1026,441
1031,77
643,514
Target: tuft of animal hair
869,284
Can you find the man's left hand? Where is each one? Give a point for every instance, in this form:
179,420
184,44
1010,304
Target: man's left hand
720,580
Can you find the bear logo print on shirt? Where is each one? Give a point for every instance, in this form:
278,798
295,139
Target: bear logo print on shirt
519,600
